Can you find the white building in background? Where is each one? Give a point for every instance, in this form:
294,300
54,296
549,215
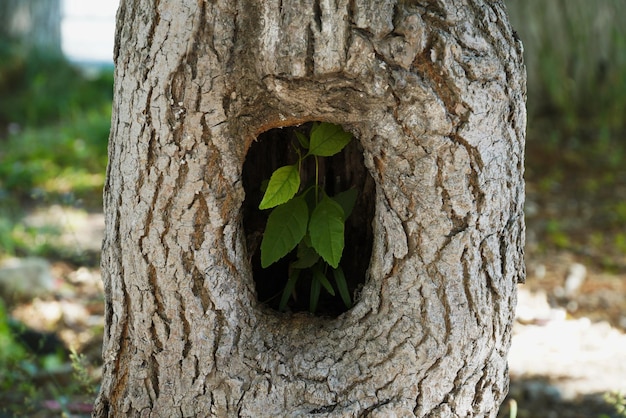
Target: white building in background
88,30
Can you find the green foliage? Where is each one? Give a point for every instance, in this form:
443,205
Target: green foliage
18,367
286,226
82,377
618,400
54,125
574,92
326,230
309,222
283,185
328,139
57,159
342,285
39,89
54,128
576,140
23,373
10,350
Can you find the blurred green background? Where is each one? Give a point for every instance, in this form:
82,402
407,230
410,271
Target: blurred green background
575,53
54,120
54,125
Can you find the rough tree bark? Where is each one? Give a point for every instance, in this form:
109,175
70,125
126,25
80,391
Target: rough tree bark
434,91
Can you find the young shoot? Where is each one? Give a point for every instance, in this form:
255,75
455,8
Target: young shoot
309,221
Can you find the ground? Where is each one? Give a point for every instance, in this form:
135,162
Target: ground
568,349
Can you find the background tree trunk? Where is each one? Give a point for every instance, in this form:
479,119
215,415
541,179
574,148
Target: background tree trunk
576,39
434,92
32,24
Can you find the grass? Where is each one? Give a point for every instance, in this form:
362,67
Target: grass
39,89
21,369
575,53
54,127
67,157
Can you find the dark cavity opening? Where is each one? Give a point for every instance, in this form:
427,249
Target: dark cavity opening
274,149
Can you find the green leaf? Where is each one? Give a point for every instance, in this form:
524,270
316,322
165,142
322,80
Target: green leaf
264,185
326,228
303,140
307,240
318,274
309,195
286,226
340,280
328,139
283,185
347,200
288,290
315,294
307,257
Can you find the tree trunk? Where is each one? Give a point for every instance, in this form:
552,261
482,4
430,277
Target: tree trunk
434,93
32,23
556,34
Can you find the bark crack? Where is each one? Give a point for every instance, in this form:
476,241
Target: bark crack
368,411
187,328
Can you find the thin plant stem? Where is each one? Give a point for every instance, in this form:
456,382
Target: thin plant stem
317,180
